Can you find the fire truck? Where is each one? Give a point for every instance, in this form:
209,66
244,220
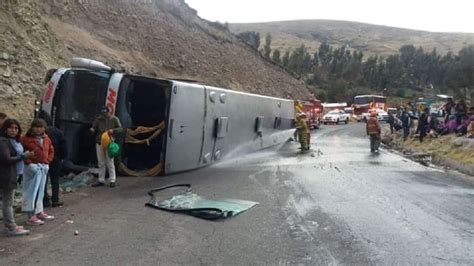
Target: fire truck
169,125
313,110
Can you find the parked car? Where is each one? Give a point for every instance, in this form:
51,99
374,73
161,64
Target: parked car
336,116
381,115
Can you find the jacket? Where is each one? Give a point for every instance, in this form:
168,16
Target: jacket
373,126
102,124
422,124
43,153
405,120
8,160
59,142
460,108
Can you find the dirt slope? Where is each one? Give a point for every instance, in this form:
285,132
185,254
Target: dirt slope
161,38
371,39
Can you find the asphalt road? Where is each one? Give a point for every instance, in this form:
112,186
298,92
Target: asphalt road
338,204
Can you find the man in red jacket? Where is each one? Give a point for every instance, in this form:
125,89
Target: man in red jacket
373,130
36,171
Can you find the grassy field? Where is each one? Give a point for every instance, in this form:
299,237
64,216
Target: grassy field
445,146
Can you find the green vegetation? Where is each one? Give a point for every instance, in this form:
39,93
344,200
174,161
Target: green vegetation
252,38
267,48
342,73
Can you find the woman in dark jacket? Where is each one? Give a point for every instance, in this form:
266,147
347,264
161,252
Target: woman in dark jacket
9,158
422,126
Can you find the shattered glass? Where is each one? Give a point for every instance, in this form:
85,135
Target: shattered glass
195,205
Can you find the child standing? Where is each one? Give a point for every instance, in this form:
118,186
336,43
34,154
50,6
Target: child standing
35,173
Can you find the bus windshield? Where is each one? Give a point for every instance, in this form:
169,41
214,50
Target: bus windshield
366,99
82,94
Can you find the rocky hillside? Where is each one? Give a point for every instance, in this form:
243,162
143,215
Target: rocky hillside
158,38
371,39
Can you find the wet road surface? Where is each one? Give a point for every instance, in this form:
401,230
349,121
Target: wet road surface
338,204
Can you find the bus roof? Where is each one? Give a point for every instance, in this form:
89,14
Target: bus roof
363,96
334,105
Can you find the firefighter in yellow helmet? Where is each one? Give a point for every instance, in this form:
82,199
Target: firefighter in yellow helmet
303,131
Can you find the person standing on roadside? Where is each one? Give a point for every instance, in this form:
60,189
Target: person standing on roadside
36,171
303,131
104,123
422,125
10,160
461,111
55,167
448,106
405,124
373,131
391,122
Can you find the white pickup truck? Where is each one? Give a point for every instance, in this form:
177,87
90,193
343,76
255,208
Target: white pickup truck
336,117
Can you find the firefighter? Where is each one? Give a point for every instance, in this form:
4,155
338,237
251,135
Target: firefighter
373,130
303,131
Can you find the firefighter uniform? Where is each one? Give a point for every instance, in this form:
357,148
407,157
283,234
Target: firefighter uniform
373,130
303,132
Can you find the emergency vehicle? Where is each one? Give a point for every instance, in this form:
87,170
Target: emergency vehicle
313,110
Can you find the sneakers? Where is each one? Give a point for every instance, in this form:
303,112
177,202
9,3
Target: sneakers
57,204
34,221
45,217
112,184
18,231
98,184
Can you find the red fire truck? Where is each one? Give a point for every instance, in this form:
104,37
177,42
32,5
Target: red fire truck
313,110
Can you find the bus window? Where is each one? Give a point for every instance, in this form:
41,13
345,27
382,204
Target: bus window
82,94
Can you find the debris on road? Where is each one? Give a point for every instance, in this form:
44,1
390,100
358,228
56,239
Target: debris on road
76,233
423,158
77,181
195,205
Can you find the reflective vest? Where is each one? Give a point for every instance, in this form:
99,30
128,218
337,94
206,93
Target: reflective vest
373,126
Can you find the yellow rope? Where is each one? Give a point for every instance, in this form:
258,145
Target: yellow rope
130,138
143,130
156,170
133,140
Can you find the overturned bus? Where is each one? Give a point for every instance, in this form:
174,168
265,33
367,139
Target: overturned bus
170,126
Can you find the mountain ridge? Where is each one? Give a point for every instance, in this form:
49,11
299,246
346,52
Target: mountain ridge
156,38
369,38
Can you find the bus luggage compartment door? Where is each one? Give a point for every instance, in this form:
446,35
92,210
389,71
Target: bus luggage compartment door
217,125
185,127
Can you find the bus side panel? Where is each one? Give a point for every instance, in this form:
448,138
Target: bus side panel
232,123
185,127
280,115
207,124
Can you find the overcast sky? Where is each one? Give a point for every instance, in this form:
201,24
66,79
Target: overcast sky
430,15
